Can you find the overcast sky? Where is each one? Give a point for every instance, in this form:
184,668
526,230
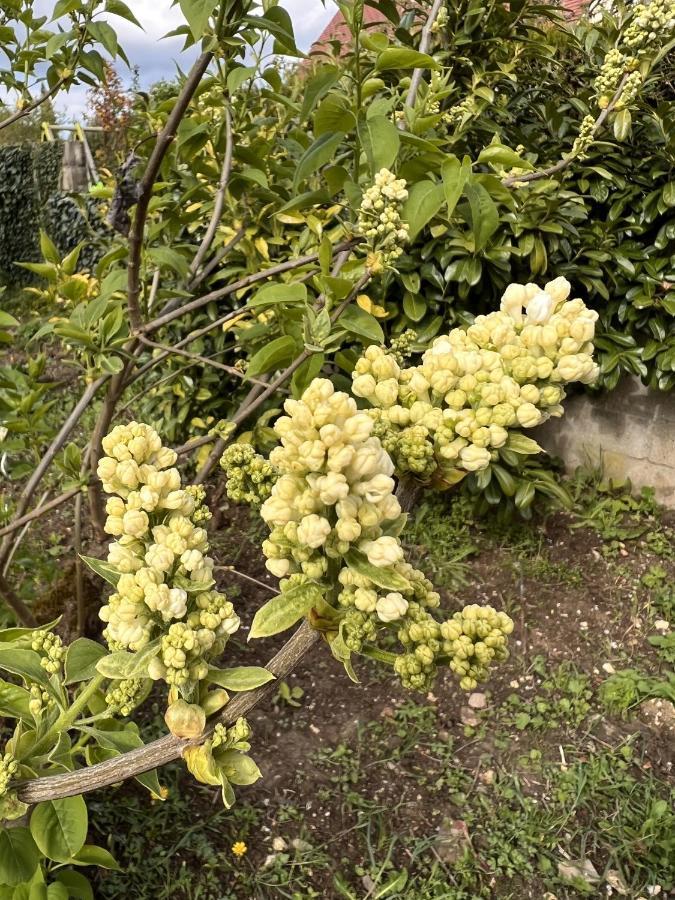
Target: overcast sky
157,58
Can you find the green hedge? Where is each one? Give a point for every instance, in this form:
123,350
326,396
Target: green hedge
30,200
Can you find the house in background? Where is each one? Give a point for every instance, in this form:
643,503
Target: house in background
337,29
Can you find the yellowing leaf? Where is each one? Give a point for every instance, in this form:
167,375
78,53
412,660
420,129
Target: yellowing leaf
368,306
261,246
290,219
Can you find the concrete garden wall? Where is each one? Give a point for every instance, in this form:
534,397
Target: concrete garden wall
630,431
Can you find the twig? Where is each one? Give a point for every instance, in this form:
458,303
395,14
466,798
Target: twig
231,370
154,287
233,571
245,282
425,40
27,110
79,574
168,748
164,141
38,511
20,537
220,197
24,616
566,161
218,258
47,459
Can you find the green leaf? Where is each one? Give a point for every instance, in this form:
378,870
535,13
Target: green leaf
25,663
59,827
359,322
403,58
105,570
81,659
197,14
91,855
7,321
19,857
383,142
77,885
455,176
14,701
240,678
284,610
166,256
278,293
484,215
414,306
522,444
274,355
316,87
316,155
123,664
499,155
118,8
622,123
425,198
384,576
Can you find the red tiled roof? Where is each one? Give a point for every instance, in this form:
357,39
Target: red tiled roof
338,30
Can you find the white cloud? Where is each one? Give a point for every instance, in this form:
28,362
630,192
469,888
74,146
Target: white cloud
157,57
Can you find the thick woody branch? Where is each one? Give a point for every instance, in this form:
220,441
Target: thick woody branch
168,748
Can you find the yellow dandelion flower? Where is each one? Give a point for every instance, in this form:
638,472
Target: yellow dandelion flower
239,848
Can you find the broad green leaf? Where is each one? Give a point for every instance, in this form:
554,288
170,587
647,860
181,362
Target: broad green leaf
59,827
484,215
403,58
123,664
284,610
14,701
81,659
384,577
622,123
316,87
278,293
197,14
25,663
19,857
359,322
104,569
414,306
166,256
522,444
7,321
455,176
274,355
91,855
503,156
383,142
77,885
425,198
240,678
118,8
316,155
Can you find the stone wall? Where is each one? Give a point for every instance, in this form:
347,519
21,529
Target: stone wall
630,432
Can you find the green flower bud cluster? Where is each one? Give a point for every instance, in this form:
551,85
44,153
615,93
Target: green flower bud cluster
40,700
51,649
250,477
584,139
380,215
124,696
475,638
8,768
401,346
165,580
236,736
441,21
507,370
456,114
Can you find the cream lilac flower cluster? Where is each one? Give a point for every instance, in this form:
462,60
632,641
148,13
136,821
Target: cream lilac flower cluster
380,216
505,371
8,769
164,588
333,506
